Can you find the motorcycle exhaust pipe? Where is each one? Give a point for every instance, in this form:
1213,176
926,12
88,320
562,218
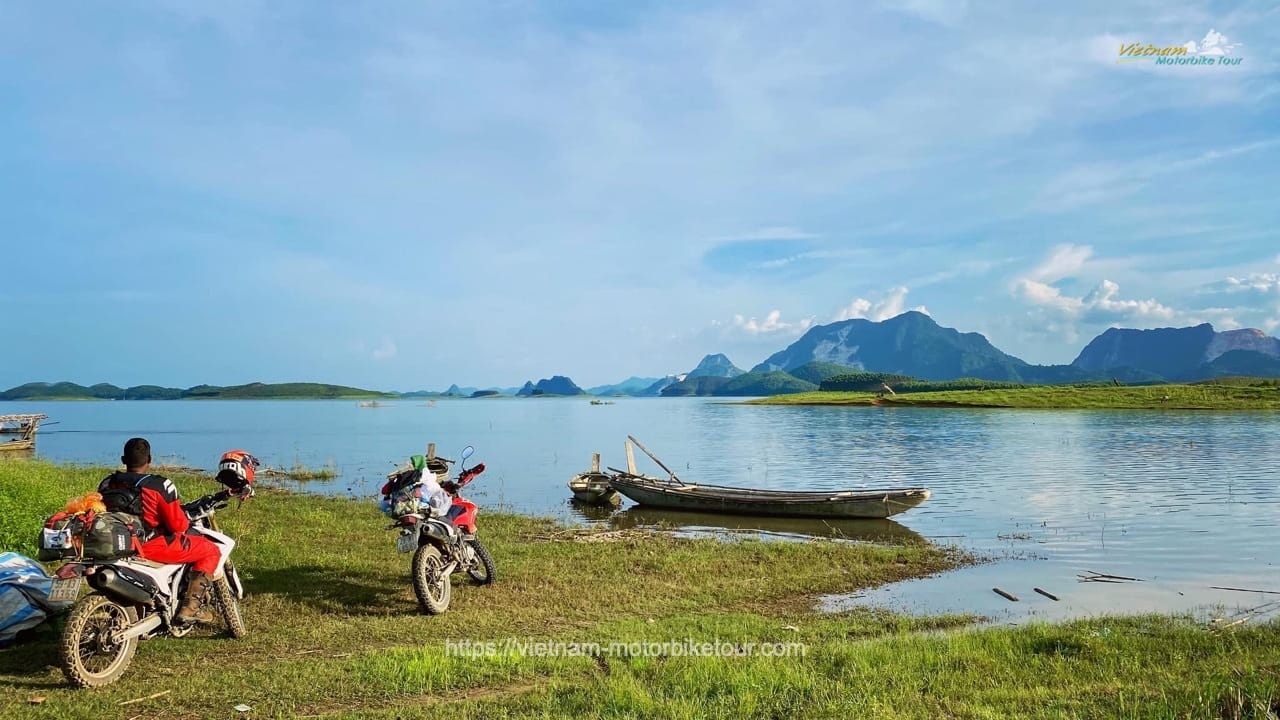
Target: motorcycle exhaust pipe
139,629
108,581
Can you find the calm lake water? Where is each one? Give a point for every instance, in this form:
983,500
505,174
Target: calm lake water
1181,500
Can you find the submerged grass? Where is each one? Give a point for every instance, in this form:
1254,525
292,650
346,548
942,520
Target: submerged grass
1149,397
334,631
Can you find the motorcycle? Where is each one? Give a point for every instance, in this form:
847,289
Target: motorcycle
441,544
135,599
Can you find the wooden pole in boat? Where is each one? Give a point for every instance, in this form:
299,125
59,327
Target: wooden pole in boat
431,451
631,460
595,462
655,459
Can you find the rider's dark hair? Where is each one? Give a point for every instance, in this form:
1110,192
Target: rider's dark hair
137,452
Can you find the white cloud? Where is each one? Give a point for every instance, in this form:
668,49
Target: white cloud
1044,295
1101,305
1065,260
891,305
1265,283
771,324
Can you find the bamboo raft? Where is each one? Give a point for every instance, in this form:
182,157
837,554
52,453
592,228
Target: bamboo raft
674,493
24,426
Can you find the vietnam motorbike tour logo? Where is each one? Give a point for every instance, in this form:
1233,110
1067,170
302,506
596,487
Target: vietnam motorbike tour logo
1215,49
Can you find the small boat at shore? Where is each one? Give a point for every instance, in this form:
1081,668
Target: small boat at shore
674,493
593,487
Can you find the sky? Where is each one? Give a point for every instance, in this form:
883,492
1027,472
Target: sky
405,195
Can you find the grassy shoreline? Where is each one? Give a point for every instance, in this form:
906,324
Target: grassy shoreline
1144,397
334,632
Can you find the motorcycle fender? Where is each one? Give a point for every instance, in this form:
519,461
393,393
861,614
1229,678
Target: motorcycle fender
225,545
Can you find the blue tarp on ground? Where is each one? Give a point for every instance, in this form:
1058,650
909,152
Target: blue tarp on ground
24,596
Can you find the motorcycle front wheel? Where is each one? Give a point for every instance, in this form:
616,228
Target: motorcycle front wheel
482,571
430,583
89,653
225,598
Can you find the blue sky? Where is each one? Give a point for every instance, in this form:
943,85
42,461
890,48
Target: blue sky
405,195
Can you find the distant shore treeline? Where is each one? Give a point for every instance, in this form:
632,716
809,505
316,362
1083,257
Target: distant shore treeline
251,391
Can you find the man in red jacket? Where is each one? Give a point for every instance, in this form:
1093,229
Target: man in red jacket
154,499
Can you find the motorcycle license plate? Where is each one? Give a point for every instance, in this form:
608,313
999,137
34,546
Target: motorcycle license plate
65,590
408,542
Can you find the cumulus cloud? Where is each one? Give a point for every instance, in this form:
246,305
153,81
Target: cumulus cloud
1100,305
1264,283
891,305
772,323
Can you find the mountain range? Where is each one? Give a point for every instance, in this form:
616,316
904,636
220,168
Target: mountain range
911,344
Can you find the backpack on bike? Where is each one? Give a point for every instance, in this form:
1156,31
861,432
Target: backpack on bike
111,536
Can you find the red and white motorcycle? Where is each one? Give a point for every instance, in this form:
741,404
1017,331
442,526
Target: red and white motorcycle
134,599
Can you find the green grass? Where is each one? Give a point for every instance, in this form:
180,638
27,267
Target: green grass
334,631
1163,397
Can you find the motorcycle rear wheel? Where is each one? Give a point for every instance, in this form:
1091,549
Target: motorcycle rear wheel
430,583
88,655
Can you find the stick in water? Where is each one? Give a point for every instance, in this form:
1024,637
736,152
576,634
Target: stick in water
1006,595
1047,594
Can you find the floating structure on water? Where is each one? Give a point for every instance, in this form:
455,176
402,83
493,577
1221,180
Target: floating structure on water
24,427
672,492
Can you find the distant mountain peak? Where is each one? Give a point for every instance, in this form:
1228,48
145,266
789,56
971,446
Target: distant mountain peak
911,343
717,365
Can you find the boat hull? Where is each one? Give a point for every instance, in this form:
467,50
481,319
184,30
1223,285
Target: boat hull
777,503
17,445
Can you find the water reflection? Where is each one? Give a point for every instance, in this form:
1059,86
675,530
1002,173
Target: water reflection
867,530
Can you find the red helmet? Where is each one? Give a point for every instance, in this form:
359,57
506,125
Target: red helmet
235,469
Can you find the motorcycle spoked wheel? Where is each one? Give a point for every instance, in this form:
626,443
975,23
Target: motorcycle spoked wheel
430,583
89,655
483,571
224,598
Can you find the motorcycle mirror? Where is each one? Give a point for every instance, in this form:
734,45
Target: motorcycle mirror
467,452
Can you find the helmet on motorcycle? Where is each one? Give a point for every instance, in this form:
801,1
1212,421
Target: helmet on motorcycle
235,469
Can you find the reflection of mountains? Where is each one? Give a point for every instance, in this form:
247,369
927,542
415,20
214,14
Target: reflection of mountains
846,529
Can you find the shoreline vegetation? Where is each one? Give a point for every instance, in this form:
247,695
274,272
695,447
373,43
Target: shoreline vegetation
1265,395
334,631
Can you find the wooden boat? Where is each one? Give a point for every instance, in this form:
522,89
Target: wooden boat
745,501
592,487
24,426
676,494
